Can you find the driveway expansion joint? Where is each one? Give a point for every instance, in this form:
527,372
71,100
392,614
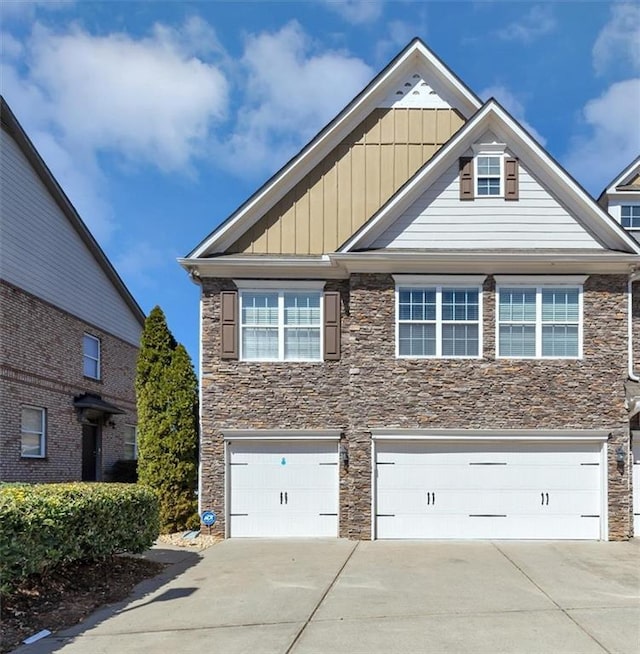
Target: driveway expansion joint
324,595
560,608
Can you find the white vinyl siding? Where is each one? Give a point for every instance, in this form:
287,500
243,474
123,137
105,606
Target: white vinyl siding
130,442
33,432
280,325
91,356
438,219
61,269
438,322
539,322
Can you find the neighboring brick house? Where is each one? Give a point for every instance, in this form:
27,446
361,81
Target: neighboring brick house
418,328
621,199
69,331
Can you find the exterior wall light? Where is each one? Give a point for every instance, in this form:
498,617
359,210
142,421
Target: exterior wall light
344,454
620,456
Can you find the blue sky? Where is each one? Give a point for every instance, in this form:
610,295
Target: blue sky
160,118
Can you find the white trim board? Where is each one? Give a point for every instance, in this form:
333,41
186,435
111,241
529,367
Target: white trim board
281,434
490,434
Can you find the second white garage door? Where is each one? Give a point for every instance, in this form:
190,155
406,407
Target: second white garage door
283,488
488,490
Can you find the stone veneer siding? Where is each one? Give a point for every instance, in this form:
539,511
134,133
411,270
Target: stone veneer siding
369,388
41,365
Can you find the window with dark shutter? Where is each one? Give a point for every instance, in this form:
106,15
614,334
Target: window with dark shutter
229,324
331,326
511,179
466,178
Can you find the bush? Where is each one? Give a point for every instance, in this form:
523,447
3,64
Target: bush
124,471
45,525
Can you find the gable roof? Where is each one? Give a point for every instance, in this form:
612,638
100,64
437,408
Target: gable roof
629,173
12,126
415,56
494,117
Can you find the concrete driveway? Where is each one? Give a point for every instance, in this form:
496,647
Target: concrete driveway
309,596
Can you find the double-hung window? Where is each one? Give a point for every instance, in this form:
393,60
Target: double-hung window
33,432
281,325
539,320
130,442
489,175
91,356
438,317
630,216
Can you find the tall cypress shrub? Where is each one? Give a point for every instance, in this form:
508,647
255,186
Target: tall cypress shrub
167,399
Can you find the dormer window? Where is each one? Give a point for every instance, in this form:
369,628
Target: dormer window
488,180
630,216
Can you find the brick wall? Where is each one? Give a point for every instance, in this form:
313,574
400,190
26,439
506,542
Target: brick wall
370,388
41,365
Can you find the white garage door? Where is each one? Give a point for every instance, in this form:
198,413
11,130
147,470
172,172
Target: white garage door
482,490
283,488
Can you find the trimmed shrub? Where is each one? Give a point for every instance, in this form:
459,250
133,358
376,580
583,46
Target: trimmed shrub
45,525
124,471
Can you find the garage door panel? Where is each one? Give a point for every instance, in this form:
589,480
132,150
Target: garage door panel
488,490
283,488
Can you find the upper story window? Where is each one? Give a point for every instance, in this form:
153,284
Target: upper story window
630,216
33,432
130,442
489,175
438,317
281,325
539,321
91,356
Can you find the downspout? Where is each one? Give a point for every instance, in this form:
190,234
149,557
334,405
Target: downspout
635,275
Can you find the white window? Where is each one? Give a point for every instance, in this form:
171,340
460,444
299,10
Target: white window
540,321
279,325
438,320
488,175
33,432
630,216
130,442
91,356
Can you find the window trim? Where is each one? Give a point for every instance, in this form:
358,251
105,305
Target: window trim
135,441
274,286
42,434
524,281
489,150
629,204
88,356
439,282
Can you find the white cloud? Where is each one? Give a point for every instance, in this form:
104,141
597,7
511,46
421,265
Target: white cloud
619,40
611,138
538,22
356,11
25,10
139,263
290,94
398,35
514,106
151,101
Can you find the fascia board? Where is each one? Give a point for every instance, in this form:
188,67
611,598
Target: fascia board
447,262
416,54
413,188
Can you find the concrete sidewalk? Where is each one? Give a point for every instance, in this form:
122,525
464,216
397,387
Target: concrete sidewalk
310,596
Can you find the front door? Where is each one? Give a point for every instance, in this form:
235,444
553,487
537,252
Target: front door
90,452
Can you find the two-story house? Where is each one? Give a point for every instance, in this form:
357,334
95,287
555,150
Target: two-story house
418,328
621,199
69,331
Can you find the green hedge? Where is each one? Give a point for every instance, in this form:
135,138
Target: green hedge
45,525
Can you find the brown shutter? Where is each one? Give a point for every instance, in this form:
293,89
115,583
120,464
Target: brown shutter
466,178
331,326
511,179
229,324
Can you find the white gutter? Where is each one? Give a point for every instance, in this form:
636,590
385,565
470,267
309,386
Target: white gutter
632,278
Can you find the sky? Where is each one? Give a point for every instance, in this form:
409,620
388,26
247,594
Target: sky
160,118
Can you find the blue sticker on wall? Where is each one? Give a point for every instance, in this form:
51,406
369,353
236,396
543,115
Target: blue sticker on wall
283,462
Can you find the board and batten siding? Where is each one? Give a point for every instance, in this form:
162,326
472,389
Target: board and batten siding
439,219
357,177
41,252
